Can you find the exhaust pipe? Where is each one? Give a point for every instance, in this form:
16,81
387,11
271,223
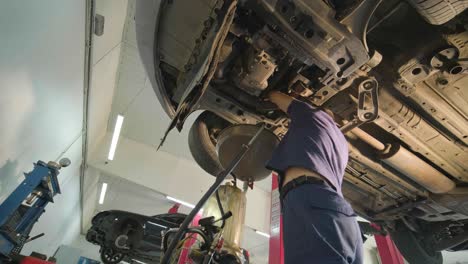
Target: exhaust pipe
409,164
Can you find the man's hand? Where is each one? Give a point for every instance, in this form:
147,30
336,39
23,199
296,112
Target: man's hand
281,100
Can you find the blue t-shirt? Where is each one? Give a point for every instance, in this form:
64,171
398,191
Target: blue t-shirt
313,142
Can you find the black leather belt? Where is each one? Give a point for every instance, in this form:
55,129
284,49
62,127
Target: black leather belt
301,180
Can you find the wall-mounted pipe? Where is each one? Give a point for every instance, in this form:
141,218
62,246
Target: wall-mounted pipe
87,77
409,164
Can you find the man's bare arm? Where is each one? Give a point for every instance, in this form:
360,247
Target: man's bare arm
281,100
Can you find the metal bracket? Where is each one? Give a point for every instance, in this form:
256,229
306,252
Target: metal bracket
368,104
448,60
99,25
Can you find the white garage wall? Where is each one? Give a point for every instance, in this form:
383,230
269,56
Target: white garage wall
41,100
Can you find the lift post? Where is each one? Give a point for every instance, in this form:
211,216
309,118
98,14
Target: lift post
23,207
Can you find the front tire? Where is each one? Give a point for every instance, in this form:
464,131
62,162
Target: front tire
110,256
201,144
412,246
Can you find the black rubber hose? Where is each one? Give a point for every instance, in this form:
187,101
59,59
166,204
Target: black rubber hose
200,232
189,230
164,239
220,208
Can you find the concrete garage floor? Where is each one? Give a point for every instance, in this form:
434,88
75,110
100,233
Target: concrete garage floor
41,107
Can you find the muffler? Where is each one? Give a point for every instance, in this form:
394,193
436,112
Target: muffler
421,172
406,162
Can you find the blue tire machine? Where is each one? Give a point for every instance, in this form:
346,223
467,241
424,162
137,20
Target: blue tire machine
23,207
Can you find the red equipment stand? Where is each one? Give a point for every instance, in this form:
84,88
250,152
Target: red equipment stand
276,255
174,209
388,252
32,260
184,255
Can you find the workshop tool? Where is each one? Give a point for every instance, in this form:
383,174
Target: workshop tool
219,180
23,207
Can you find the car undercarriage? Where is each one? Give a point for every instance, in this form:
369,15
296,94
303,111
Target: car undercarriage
394,74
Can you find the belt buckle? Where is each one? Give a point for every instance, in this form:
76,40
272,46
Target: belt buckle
300,180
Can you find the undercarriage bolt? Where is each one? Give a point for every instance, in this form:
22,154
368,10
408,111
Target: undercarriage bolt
368,85
442,81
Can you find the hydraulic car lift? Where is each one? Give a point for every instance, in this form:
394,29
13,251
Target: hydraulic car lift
21,210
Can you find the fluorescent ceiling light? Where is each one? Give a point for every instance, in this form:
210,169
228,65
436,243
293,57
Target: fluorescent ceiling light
115,136
262,234
181,202
137,261
103,193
